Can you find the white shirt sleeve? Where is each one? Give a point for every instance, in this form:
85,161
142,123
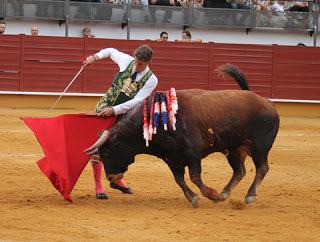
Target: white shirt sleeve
143,93
122,59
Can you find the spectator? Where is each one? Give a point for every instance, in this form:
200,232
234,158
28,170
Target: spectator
146,12
186,37
163,36
278,8
2,27
240,4
300,7
190,3
263,5
240,18
86,32
198,3
168,11
34,31
279,18
219,17
215,4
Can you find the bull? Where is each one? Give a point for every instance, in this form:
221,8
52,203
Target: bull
237,123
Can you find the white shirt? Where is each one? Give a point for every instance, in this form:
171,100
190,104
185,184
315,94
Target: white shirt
278,8
123,60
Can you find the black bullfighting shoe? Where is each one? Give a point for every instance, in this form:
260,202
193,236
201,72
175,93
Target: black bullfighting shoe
126,190
101,195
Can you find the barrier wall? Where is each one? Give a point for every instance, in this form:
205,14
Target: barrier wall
47,64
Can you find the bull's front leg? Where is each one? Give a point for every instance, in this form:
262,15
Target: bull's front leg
178,173
195,176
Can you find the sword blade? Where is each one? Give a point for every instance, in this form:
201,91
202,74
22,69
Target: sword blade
75,77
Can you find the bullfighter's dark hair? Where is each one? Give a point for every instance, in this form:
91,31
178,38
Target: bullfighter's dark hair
143,53
235,73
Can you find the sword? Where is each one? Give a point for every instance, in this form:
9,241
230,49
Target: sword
75,77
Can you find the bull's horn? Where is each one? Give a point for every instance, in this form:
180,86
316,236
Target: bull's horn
92,151
103,138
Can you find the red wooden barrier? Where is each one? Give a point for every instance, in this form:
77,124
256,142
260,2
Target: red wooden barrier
297,73
47,64
10,66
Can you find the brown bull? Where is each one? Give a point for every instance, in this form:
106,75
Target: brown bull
236,123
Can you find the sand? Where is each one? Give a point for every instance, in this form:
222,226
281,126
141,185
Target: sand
287,207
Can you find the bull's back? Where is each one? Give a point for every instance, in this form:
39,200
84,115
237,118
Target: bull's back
228,113
206,102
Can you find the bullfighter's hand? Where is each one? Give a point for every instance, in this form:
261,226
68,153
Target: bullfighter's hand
106,112
89,60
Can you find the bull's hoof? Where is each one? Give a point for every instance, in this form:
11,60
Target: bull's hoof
194,201
126,190
224,195
250,199
101,195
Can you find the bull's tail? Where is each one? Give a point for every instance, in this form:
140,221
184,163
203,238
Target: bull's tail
235,73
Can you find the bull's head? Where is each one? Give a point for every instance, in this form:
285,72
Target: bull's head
115,154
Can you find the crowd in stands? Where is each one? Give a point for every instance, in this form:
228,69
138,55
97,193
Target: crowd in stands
278,8
270,12
267,5
87,33
264,5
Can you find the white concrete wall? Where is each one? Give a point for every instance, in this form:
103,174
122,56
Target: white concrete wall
114,31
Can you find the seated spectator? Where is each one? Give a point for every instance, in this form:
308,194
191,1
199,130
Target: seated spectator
186,37
243,17
279,18
300,7
219,17
163,37
34,31
168,12
86,32
278,8
190,3
2,27
215,4
240,4
263,5
198,3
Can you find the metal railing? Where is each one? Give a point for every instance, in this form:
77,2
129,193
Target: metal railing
71,11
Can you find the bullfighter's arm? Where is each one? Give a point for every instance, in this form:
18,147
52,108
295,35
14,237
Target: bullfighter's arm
143,93
122,59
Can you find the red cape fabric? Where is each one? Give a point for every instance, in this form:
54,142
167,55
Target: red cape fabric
63,139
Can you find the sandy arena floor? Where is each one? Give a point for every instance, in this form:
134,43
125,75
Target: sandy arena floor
287,208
